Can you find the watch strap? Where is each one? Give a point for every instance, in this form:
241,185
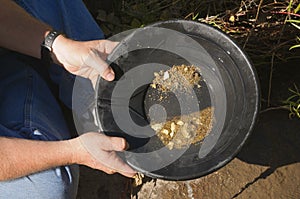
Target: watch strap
49,39
46,47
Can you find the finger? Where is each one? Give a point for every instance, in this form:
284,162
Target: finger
93,141
101,148
110,46
113,143
108,74
109,171
94,61
115,164
106,47
118,144
129,175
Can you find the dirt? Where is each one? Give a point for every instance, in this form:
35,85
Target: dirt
267,167
180,131
180,78
183,131
236,180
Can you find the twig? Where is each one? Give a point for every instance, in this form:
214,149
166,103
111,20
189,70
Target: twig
272,65
258,10
285,13
256,17
270,79
191,14
274,108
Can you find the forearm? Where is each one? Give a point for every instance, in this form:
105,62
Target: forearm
21,157
19,31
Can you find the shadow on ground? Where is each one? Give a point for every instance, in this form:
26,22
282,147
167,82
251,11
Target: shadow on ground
275,142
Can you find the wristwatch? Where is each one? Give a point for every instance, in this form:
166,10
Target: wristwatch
46,47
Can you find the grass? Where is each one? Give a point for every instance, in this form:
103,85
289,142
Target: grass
293,102
295,22
273,24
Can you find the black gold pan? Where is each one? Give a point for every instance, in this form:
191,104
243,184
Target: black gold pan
229,85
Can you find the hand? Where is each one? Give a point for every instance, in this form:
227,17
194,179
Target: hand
97,151
86,59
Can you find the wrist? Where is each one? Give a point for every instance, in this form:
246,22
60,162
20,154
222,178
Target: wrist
59,47
77,148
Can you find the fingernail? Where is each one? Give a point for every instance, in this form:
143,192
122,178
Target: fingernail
126,146
110,76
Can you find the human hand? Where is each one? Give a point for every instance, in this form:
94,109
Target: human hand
86,59
97,151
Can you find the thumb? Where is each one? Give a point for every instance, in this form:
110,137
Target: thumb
117,144
108,74
108,143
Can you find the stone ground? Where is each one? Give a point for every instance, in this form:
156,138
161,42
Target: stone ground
267,167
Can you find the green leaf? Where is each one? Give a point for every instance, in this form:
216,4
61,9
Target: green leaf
195,17
297,9
295,46
296,26
290,6
293,21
